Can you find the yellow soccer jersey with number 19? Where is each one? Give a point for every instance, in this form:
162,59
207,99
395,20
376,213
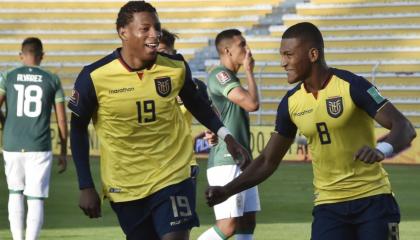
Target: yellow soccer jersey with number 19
144,141
337,121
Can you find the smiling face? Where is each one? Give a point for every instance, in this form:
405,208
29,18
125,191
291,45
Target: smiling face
141,36
295,59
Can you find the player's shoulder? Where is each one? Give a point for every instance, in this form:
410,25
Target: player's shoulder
347,76
221,75
101,62
175,60
294,90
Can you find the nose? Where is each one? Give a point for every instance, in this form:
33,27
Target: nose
283,61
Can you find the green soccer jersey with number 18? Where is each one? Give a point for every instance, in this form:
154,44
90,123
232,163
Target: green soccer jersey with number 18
30,95
220,82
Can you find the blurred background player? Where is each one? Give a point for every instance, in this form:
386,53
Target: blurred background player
236,215
146,150
335,110
30,93
167,45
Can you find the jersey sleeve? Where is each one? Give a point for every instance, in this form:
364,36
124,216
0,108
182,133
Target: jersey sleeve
366,96
59,93
202,89
83,101
284,124
197,105
224,82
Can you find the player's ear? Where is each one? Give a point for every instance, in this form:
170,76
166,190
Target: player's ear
122,33
313,54
227,51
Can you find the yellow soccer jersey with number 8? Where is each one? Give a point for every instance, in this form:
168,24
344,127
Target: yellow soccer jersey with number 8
337,122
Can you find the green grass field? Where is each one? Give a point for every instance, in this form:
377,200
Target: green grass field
286,200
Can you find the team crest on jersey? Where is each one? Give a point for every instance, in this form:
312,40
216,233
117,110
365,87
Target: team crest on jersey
335,106
74,99
163,86
223,77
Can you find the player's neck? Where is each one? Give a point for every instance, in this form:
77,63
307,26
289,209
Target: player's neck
133,61
318,78
31,61
230,65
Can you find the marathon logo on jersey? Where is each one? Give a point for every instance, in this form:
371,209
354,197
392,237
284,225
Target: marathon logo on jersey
335,106
223,77
74,99
163,86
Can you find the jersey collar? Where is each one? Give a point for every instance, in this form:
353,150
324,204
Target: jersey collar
117,53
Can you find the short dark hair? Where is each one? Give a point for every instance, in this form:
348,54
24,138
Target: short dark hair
306,32
33,46
125,15
224,35
168,38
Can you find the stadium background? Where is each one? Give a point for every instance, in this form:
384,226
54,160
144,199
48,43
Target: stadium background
379,40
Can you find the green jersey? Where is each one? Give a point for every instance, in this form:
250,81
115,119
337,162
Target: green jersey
30,95
220,82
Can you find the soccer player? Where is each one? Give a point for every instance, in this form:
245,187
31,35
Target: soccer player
30,93
130,96
167,45
335,110
237,214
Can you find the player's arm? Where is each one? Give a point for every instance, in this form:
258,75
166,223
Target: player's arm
367,97
60,114
2,98
82,104
200,108
2,118
246,98
258,171
399,138
265,164
401,132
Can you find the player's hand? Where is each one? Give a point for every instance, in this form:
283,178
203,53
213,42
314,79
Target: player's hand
211,137
216,195
90,203
369,155
238,152
62,163
249,61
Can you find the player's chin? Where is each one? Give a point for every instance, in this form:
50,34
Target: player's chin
292,79
149,56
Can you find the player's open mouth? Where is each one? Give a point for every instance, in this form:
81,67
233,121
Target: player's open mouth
152,45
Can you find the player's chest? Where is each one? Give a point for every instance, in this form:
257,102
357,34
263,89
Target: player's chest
132,93
330,109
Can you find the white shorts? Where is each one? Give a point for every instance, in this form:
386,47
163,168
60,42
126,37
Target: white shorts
28,172
238,204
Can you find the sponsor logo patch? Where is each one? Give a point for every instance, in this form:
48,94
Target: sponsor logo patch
299,114
223,77
74,99
114,190
335,106
163,86
374,93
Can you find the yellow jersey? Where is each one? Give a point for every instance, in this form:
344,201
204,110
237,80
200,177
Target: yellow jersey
144,141
337,121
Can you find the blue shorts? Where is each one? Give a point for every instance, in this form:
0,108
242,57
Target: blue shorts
171,209
370,218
